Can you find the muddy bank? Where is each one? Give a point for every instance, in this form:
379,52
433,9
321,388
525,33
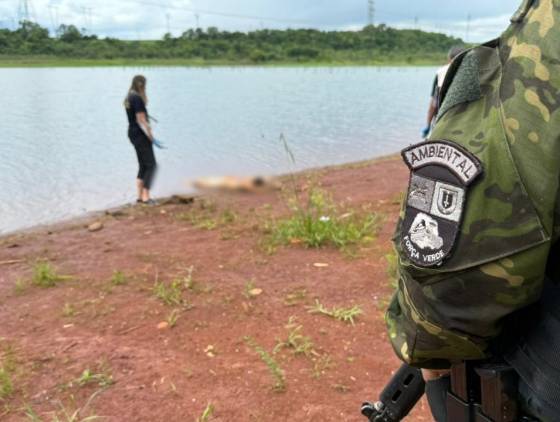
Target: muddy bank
162,311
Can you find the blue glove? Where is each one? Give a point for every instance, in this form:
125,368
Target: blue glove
426,131
159,144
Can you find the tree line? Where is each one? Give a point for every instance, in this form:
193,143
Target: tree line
371,44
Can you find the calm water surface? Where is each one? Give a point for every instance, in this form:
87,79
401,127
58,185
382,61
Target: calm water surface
65,151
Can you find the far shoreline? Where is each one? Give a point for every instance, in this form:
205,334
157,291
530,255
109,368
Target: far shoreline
31,62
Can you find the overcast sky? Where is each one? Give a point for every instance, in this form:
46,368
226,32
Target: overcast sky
148,19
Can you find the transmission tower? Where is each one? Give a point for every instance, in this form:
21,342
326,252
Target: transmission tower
371,12
168,22
53,13
468,27
25,10
87,12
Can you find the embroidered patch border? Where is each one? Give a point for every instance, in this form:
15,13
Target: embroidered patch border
441,172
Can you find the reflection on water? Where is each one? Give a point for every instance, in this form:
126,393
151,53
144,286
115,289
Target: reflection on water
65,151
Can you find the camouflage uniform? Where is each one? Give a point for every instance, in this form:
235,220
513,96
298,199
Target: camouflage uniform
501,110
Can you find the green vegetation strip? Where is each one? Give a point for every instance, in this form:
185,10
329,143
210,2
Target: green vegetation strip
32,45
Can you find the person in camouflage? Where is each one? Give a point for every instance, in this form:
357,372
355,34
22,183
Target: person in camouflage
476,236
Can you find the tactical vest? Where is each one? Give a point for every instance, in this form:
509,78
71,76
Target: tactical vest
482,210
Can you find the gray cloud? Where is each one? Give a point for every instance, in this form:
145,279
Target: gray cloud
150,18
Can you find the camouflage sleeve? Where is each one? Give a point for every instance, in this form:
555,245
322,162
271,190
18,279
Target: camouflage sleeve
476,228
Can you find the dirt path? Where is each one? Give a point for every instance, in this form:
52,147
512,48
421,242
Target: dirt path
99,341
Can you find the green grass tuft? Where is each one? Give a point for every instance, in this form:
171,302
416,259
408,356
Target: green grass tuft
44,275
341,314
274,367
320,222
171,294
118,278
207,413
297,342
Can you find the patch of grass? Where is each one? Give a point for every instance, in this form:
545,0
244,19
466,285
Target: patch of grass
118,278
321,222
65,415
171,294
44,275
206,216
193,285
206,414
297,342
341,388
68,310
320,365
228,217
275,370
20,286
102,379
8,368
295,297
341,314
172,318
6,383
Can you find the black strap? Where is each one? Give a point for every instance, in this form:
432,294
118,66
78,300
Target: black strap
537,360
520,14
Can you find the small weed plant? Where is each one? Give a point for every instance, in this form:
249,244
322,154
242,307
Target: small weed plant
172,318
118,278
68,310
297,342
295,297
346,315
321,364
8,369
20,286
44,275
320,222
170,293
102,379
65,415
275,370
6,383
207,413
193,285
206,216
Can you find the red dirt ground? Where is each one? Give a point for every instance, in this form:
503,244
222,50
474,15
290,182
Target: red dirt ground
50,336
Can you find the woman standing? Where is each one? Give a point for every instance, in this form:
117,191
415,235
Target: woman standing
140,134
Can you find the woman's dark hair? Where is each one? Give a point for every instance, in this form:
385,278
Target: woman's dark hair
137,87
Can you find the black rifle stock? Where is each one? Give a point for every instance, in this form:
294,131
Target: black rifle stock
480,392
398,398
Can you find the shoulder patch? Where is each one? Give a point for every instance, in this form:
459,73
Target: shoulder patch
441,172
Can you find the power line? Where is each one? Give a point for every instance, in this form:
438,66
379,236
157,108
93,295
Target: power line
223,14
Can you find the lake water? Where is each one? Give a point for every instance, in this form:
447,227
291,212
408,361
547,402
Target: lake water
65,151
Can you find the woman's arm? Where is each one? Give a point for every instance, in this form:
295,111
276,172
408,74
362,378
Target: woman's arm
144,125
